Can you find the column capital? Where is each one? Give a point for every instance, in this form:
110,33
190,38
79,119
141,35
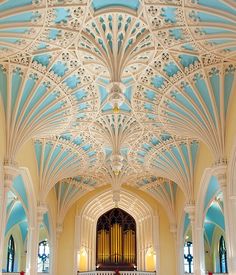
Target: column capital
10,163
222,179
8,181
219,171
10,173
220,162
190,210
41,210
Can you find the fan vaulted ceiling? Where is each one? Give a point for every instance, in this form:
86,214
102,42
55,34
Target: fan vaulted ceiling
117,92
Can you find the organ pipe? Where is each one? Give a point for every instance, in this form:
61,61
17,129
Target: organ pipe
116,238
116,243
103,246
129,246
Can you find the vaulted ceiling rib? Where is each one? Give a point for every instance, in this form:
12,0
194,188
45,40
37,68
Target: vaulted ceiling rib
113,93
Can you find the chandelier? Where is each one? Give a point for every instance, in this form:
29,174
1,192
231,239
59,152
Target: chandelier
116,163
116,95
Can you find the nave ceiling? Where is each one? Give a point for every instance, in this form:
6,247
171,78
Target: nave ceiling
117,92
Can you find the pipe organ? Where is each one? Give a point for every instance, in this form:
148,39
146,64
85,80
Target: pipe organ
116,240
129,247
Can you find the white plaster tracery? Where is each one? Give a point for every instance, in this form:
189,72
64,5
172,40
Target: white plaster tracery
81,54
115,44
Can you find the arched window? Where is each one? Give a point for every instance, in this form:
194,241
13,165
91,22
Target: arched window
223,256
188,257
10,255
43,257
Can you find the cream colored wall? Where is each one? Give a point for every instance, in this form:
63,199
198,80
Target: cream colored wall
204,160
26,157
66,244
180,202
67,239
167,247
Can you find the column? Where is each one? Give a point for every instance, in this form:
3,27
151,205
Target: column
6,187
54,257
199,231
180,250
156,241
232,229
221,176
32,251
10,172
142,246
78,232
190,209
173,230
33,241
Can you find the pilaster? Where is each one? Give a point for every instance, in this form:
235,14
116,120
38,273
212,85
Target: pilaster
190,209
33,241
9,174
220,172
232,228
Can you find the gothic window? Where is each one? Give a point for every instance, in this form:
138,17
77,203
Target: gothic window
43,256
10,255
223,256
188,257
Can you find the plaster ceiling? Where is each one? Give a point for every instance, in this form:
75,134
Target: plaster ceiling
174,62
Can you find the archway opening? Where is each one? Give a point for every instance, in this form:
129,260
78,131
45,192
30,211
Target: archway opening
116,241
16,233
214,229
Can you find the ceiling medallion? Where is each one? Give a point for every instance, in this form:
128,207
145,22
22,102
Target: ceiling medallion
116,95
116,163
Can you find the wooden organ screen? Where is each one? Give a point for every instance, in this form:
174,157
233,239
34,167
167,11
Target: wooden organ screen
116,241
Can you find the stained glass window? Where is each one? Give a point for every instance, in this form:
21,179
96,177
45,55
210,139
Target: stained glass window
188,257
223,255
43,256
10,255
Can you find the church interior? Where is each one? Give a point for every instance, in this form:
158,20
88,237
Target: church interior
117,137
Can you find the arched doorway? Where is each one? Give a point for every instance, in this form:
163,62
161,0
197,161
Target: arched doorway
116,241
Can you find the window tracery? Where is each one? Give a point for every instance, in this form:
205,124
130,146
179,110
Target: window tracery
223,255
43,256
188,257
11,254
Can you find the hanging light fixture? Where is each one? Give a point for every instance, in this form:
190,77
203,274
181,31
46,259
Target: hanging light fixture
116,95
116,163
